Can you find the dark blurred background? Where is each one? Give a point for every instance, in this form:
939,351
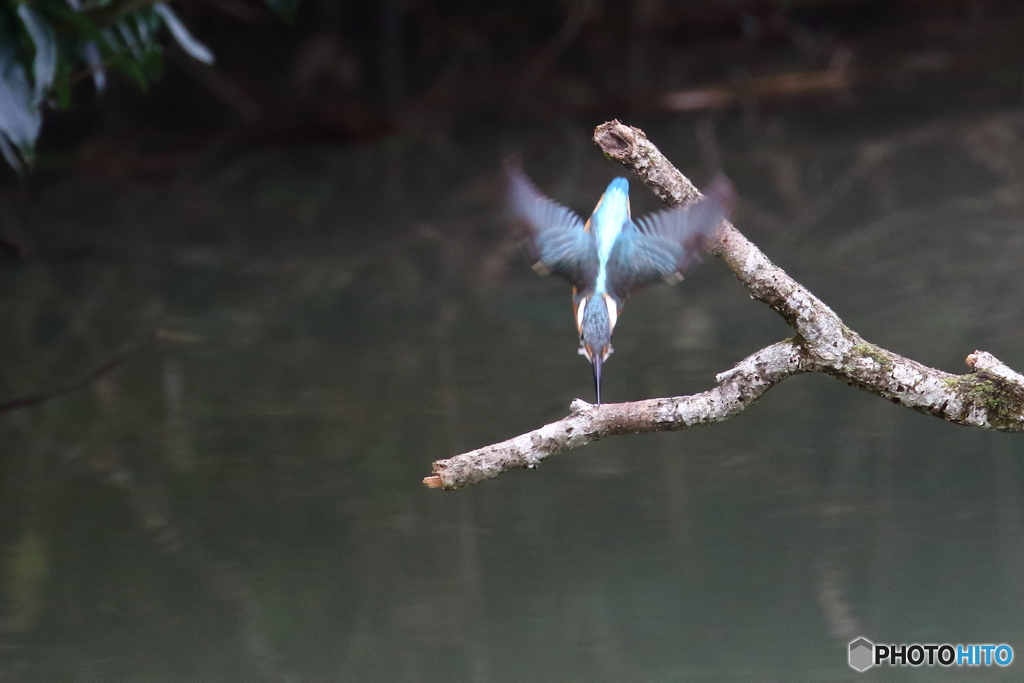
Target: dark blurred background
242,311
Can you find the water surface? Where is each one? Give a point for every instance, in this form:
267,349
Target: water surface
240,499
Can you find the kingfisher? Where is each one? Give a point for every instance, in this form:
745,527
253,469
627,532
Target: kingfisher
609,256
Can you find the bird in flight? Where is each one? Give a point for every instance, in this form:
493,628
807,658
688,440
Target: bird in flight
610,255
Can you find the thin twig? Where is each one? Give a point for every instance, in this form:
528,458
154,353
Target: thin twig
82,381
991,396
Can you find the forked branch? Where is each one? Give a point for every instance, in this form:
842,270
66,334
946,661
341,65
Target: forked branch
990,396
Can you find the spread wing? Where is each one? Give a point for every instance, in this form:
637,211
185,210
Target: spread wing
662,246
561,243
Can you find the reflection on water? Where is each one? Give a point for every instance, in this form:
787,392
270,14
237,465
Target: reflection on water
241,498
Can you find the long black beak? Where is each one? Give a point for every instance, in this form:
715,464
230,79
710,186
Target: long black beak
596,360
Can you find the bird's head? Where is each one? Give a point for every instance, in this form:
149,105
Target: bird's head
596,316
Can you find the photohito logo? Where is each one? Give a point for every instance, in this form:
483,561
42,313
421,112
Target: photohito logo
864,654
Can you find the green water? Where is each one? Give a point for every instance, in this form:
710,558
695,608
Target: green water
240,499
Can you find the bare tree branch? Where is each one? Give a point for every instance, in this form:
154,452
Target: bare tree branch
991,396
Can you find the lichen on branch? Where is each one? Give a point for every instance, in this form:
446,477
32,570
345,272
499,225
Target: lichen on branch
990,396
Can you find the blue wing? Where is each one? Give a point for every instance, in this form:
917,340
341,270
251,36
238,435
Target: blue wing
561,243
662,246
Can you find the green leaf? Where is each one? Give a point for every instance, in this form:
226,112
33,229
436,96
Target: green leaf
20,119
79,23
145,25
128,36
112,43
91,55
10,155
181,34
90,40
62,83
286,8
133,70
44,66
152,63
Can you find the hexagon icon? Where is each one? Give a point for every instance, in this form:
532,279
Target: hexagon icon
861,654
